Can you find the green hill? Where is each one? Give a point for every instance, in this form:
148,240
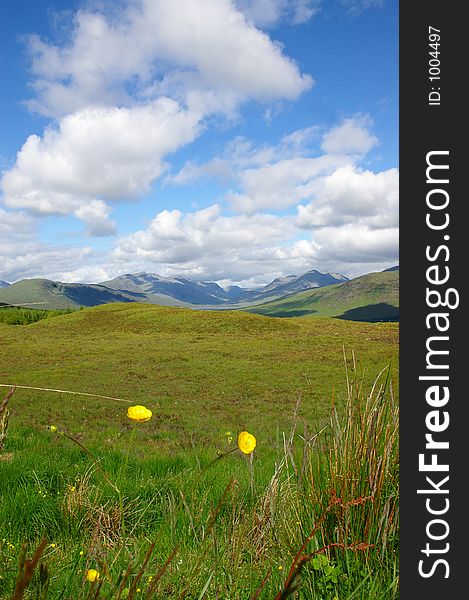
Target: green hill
203,372
373,297
43,293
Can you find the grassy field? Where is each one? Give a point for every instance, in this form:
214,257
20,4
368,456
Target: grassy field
316,506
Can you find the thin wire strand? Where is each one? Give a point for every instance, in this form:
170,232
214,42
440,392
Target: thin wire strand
28,387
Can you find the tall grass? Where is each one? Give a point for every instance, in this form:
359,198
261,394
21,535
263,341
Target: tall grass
314,519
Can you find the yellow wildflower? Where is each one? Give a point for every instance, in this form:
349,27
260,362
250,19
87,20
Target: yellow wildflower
246,442
92,575
139,413
53,428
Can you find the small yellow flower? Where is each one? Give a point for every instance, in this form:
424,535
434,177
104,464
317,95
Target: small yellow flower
246,442
53,428
92,575
52,545
81,552
139,413
280,567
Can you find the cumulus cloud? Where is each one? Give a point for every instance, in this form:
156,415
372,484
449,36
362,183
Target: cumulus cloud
128,90
193,49
350,137
251,249
283,183
352,195
278,176
97,153
356,243
208,244
345,212
240,155
14,223
95,215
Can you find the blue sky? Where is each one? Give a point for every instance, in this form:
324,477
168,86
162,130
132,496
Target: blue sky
227,140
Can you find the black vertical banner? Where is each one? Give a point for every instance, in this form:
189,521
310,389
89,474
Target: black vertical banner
434,364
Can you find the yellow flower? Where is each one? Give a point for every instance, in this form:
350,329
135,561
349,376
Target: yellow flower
246,442
81,552
53,428
92,575
139,413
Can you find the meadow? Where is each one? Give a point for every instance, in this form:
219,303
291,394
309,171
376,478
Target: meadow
171,508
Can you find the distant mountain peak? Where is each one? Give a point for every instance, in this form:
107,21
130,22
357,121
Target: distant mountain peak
158,289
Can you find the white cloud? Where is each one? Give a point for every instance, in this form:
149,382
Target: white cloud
352,195
241,156
195,49
207,244
98,153
95,214
128,90
357,243
23,257
283,183
277,176
14,223
350,137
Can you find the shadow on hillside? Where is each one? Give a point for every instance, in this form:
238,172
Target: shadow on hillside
373,313
291,313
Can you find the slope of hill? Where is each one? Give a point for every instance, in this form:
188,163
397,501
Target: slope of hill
372,297
4,284
43,293
202,372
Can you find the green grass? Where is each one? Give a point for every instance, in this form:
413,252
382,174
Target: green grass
372,297
16,315
202,374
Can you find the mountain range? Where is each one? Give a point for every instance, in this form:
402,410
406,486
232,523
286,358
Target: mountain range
156,289
372,297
